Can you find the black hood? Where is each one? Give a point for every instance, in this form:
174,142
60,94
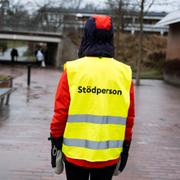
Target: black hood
97,38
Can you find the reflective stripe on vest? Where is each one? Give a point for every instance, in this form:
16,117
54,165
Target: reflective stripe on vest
99,91
97,119
93,144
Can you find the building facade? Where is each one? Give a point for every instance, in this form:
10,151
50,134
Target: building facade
172,65
72,18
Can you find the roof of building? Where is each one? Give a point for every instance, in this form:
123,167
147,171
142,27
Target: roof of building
171,18
97,11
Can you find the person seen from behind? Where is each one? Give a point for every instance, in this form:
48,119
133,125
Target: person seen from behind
94,109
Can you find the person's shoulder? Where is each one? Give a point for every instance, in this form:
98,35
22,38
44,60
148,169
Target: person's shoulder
75,61
74,64
122,64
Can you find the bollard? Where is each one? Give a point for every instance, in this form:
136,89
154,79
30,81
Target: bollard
28,74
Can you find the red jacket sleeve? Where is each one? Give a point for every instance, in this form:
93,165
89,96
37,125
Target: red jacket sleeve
131,116
61,107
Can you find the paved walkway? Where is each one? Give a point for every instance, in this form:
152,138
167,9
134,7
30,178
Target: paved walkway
24,128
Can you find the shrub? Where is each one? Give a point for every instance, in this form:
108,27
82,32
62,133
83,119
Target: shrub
156,59
172,67
3,46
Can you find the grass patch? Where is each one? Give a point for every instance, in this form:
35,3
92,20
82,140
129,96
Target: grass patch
3,77
150,74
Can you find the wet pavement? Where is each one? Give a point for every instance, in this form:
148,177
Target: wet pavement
24,129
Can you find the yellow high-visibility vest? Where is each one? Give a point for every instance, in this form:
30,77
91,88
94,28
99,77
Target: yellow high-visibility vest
99,92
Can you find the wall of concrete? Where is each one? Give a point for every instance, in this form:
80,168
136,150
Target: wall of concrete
59,53
69,50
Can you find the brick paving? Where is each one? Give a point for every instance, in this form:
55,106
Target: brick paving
24,128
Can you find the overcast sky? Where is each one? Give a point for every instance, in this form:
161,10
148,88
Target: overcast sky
159,5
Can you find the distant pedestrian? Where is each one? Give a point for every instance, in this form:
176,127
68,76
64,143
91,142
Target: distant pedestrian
40,57
14,55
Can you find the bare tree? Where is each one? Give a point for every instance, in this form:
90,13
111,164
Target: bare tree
142,5
50,14
118,7
17,16
90,6
75,3
119,23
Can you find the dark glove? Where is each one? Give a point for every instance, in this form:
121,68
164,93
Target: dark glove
56,144
124,155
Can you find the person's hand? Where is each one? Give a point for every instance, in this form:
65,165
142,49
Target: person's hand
53,155
116,171
56,144
123,159
59,163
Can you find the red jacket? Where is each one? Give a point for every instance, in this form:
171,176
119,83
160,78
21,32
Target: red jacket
61,107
